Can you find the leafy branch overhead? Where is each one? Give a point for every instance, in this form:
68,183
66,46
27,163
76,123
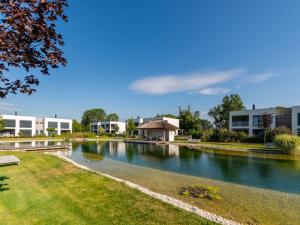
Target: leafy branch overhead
29,41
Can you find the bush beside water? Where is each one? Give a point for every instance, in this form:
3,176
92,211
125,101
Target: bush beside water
289,144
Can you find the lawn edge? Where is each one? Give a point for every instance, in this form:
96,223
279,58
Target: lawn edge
164,198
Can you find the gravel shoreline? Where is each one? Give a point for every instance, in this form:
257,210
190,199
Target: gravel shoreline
164,198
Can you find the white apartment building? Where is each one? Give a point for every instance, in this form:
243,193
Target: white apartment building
109,127
16,125
249,121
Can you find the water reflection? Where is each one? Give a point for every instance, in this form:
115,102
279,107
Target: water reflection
283,175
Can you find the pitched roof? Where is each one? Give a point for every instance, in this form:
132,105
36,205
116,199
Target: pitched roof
158,124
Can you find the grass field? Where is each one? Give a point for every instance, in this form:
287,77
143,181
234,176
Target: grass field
47,190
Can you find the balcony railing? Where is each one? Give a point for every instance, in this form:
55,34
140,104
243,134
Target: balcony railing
240,124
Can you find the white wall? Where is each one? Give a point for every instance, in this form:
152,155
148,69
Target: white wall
17,127
121,125
251,113
58,121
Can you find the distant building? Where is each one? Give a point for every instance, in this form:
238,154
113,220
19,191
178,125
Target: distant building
109,127
249,121
29,126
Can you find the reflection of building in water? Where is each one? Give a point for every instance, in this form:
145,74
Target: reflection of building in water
173,150
65,153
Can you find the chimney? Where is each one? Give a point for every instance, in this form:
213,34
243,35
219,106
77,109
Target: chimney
253,107
16,113
55,116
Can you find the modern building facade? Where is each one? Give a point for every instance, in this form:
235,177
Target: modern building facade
16,125
109,127
250,121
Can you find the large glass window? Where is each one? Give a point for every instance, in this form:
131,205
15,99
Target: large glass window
52,125
298,119
64,125
25,132
9,123
25,123
256,121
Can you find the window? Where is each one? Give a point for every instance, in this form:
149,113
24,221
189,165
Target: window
25,132
298,119
256,121
52,125
64,125
10,123
25,123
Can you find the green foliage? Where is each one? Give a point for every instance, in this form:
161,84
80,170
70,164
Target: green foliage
117,128
79,135
220,113
208,192
189,120
225,135
101,131
112,117
76,126
289,144
2,124
91,116
130,128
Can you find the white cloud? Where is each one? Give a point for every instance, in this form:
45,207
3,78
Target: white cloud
213,91
202,82
184,82
259,77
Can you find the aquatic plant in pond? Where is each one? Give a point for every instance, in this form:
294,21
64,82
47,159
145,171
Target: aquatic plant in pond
208,192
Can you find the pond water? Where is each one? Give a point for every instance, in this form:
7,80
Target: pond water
274,174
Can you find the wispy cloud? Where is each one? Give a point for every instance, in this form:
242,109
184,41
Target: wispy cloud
259,77
201,82
214,91
183,82
5,106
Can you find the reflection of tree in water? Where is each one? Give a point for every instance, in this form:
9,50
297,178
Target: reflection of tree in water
131,151
186,153
229,166
91,150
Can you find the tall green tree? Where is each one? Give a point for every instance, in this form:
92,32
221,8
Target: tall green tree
130,128
76,126
189,120
220,113
91,116
112,117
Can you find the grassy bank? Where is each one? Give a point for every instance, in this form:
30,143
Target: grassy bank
228,145
47,190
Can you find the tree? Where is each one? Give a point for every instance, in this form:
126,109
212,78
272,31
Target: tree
130,128
76,126
29,41
101,131
266,122
220,113
112,117
189,121
2,124
92,116
206,124
117,128
51,131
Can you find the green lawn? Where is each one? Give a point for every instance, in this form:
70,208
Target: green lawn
228,145
47,190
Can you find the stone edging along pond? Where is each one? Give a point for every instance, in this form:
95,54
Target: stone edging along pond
167,199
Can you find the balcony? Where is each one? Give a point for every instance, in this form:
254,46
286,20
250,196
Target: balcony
240,124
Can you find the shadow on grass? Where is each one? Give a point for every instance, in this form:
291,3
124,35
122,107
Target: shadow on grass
3,186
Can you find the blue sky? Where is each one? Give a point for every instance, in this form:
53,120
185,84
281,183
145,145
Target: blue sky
146,57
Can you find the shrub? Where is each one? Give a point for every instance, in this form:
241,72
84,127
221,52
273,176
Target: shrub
208,192
289,144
